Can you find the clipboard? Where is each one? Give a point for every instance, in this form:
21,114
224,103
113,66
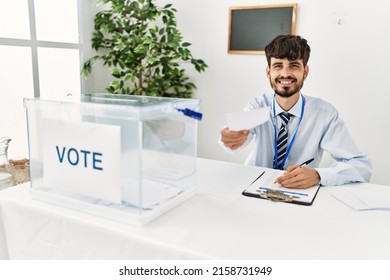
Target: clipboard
264,187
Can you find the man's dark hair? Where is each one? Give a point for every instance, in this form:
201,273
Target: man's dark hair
288,46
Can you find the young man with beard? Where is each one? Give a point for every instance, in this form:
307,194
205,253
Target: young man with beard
311,125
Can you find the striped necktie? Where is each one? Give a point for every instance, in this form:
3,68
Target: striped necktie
282,140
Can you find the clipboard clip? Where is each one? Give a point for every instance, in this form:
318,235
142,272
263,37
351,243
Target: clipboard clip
276,196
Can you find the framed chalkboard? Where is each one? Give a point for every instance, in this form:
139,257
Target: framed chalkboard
251,28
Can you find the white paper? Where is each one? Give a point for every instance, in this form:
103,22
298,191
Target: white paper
83,158
247,119
155,193
362,198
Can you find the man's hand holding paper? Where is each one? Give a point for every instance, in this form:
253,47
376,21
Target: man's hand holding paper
233,139
239,125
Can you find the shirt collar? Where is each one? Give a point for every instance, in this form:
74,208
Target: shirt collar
295,110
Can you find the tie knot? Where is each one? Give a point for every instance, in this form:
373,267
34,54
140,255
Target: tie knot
285,117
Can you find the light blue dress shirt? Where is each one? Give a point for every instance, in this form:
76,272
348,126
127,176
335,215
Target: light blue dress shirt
321,129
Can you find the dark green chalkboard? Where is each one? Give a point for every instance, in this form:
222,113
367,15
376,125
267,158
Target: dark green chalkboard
252,28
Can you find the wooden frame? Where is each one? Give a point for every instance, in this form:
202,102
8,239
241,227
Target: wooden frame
251,28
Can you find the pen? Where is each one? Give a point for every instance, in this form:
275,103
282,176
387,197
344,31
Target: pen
286,192
306,162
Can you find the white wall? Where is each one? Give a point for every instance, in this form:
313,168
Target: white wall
348,67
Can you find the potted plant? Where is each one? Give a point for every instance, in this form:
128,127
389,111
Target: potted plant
143,48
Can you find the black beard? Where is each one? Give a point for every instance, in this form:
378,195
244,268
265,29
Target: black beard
286,93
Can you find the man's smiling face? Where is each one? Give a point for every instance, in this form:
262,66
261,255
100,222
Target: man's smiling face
286,76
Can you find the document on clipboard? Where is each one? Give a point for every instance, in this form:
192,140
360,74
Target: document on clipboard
265,187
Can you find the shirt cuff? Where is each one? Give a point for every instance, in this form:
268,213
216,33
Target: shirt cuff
326,176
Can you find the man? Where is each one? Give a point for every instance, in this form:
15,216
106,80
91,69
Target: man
300,127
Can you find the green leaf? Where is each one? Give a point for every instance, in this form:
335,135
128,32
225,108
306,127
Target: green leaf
140,49
116,73
121,63
114,86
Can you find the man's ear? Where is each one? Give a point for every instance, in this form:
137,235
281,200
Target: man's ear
306,71
267,72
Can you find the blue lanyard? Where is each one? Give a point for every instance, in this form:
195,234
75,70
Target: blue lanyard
292,139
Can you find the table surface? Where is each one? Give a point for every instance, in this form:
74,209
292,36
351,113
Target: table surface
217,223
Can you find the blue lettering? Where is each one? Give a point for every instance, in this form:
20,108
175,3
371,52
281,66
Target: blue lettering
76,154
85,157
60,157
97,160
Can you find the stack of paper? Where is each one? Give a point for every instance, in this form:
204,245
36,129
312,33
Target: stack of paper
364,198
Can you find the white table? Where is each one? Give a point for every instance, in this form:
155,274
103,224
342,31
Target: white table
217,223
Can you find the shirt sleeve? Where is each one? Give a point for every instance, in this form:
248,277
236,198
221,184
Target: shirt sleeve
351,165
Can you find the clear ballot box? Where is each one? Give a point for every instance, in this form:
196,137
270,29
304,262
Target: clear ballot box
127,158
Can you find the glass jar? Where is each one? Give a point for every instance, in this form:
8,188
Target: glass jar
20,170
